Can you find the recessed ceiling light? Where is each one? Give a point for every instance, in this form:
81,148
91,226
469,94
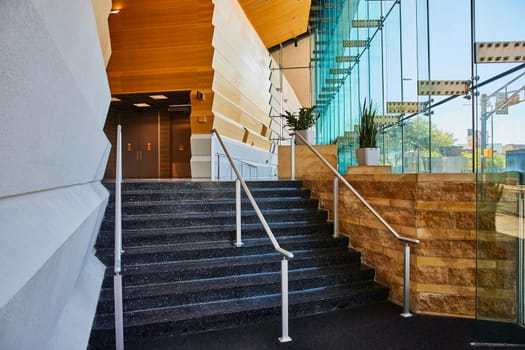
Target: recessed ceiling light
158,97
114,12
142,104
114,99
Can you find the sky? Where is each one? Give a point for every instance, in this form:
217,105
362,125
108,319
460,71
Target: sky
500,20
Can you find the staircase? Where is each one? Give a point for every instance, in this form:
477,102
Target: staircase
182,274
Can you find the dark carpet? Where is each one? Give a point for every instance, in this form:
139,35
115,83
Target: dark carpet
373,327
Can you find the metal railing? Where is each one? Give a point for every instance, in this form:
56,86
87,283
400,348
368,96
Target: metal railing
338,177
238,242
117,278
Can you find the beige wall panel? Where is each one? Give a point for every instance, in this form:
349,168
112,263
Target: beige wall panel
252,82
101,9
241,81
227,127
226,108
223,87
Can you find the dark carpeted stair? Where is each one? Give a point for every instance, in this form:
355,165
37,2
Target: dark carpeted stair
182,273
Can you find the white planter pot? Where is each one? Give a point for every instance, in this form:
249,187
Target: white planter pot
309,135
367,156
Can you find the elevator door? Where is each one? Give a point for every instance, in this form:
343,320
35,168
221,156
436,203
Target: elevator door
140,153
180,145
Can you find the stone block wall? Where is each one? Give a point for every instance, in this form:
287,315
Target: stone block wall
437,209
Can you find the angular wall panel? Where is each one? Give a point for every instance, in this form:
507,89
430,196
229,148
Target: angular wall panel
53,151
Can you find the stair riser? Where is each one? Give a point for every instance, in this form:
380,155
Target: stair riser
206,295
148,277
131,258
247,218
195,280
201,185
210,206
105,238
238,319
209,195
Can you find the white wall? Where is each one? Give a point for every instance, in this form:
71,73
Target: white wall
53,152
252,163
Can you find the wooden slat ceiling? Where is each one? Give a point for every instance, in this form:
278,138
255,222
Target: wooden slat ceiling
277,21
161,45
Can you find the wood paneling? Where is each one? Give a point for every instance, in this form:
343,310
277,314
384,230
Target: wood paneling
164,145
162,45
201,118
110,129
101,9
277,20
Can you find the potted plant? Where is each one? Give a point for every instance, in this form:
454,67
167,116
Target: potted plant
368,152
302,122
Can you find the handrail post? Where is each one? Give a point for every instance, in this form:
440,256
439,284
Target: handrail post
284,338
238,242
117,278
406,287
336,207
292,158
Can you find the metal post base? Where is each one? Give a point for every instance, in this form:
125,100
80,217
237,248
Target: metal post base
406,314
285,339
238,244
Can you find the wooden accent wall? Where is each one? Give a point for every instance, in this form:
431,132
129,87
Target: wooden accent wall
101,10
162,45
164,145
241,81
205,46
278,20
110,129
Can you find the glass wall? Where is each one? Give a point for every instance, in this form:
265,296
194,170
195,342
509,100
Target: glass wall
381,51
378,51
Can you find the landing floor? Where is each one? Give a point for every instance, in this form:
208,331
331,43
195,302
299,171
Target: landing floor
368,328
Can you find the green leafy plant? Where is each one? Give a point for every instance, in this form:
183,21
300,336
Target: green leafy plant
368,127
303,120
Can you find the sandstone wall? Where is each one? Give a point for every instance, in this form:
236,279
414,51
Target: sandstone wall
439,210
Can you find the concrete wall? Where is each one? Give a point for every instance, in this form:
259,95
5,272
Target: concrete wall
53,153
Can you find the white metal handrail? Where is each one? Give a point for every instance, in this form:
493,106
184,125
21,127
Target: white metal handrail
339,177
117,278
238,242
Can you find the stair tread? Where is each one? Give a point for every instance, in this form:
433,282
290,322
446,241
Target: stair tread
217,245
233,281
230,260
216,201
181,272
231,306
213,228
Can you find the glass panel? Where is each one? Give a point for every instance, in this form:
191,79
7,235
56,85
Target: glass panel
500,145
